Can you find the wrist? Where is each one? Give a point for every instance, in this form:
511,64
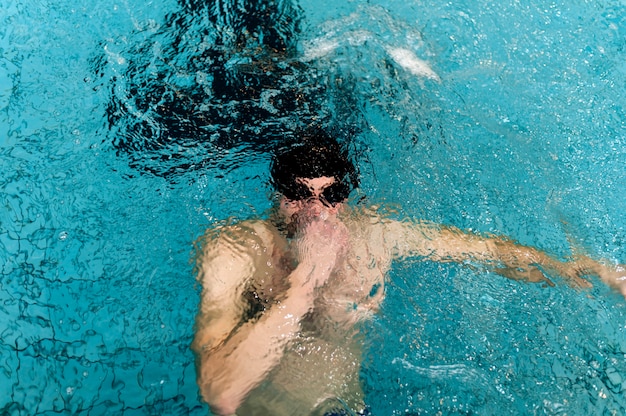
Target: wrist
309,275
298,299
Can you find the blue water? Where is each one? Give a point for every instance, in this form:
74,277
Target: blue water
521,132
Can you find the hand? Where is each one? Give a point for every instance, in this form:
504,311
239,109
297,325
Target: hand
575,270
572,271
321,243
614,276
530,274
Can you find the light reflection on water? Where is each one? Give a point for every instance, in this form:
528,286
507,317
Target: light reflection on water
522,134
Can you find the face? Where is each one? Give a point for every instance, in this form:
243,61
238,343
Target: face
313,204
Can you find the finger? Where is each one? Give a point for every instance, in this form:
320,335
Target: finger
577,281
536,275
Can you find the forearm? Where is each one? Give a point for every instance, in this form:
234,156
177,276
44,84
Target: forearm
522,262
527,263
230,371
505,256
453,245
510,254
449,244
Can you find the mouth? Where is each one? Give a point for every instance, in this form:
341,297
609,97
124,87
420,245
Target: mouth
310,213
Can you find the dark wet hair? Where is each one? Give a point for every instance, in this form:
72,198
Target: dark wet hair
315,156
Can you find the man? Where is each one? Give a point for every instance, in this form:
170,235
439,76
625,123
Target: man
277,330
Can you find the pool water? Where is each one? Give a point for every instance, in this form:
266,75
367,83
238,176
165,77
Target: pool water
127,129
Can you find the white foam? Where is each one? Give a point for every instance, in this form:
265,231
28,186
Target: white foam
323,46
319,48
410,62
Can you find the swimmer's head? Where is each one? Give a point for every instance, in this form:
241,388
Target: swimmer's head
316,156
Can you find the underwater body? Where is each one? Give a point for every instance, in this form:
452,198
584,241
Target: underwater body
126,130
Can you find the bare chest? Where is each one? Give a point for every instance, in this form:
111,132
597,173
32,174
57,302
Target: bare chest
356,288
353,293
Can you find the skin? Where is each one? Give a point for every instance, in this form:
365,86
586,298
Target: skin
299,349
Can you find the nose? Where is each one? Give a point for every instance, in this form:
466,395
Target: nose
314,207
313,203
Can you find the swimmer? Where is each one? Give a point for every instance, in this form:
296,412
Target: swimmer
277,330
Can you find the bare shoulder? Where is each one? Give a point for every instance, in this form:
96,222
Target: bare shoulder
396,237
229,253
237,232
229,256
245,237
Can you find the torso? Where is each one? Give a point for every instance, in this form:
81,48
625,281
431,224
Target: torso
353,293
322,364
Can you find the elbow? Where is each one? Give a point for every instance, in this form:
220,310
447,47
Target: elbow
218,394
221,404
223,408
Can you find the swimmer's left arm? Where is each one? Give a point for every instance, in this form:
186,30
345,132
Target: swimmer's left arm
508,258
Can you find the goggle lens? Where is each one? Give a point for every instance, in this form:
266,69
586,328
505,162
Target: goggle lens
333,194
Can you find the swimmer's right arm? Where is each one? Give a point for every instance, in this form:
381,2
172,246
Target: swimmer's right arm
230,371
233,360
